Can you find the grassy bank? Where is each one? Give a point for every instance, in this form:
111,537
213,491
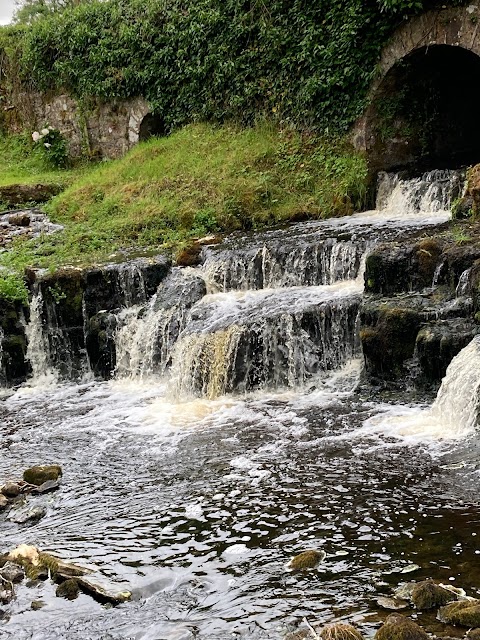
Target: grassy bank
199,180
19,165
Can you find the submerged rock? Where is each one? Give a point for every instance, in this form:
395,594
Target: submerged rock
37,605
68,589
306,560
21,516
392,604
398,627
40,474
465,613
3,502
12,489
427,595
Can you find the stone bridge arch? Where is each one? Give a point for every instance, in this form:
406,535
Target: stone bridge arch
424,105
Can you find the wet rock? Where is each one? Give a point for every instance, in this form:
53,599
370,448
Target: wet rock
465,613
427,595
6,596
392,604
302,634
32,514
437,343
12,572
393,268
39,474
18,194
398,627
12,489
14,367
306,560
340,631
46,487
189,256
3,502
37,605
68,589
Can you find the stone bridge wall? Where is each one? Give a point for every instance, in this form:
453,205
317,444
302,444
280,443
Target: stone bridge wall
454,26
101,129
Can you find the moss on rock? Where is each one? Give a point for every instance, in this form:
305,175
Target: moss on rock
427,595
465,613
68,589
39,474
306,560
398,627
340,631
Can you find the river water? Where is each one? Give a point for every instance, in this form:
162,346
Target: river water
235,434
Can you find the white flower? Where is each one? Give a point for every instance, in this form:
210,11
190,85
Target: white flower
47,145
50,128
45,132
36,136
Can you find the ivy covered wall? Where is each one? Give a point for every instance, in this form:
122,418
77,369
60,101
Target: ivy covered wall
305,62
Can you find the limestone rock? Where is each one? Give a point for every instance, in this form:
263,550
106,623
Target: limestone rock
465,613
427,595
306,560
68,589
39,474
398,627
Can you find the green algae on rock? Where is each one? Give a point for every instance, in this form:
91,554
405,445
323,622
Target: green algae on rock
68,589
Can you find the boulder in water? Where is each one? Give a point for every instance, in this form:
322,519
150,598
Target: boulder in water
398,627
37,605
39,474
465,613
68,589
12,489
21,516
339,631
427,595
3,502
306,560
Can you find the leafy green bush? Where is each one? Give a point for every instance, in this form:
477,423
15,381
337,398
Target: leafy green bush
50,145
302,62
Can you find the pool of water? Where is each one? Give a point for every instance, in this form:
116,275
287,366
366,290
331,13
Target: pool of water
196,508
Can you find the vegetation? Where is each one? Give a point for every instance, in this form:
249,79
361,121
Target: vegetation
21,165
201,179
307,64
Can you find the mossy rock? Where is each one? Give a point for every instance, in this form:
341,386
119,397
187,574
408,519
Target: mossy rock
398,627
306,560
68,589
39,474
189,256
465,613
427,595
473,634
340,631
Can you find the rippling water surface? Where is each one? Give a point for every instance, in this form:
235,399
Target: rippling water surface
197,507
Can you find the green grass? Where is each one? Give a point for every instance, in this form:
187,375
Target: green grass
19,165
202,179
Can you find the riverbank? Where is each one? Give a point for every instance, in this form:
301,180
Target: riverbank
202,179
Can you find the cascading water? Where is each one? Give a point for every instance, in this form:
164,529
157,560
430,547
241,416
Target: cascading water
195,493
38,352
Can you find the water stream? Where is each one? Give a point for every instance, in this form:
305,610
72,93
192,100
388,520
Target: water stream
233,434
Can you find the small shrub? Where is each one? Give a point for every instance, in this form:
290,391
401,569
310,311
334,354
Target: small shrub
50,144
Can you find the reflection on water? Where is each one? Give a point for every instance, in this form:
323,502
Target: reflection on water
199,506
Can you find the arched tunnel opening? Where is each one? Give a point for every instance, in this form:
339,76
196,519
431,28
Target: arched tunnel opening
151,125
425,114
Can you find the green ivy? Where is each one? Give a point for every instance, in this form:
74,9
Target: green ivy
308,63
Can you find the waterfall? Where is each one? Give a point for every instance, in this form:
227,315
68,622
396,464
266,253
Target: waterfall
269,310
38,349
3,374
431,193
458,401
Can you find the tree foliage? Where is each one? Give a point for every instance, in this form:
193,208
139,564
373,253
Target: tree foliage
308,62
27,11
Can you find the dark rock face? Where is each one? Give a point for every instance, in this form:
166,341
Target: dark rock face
14,368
